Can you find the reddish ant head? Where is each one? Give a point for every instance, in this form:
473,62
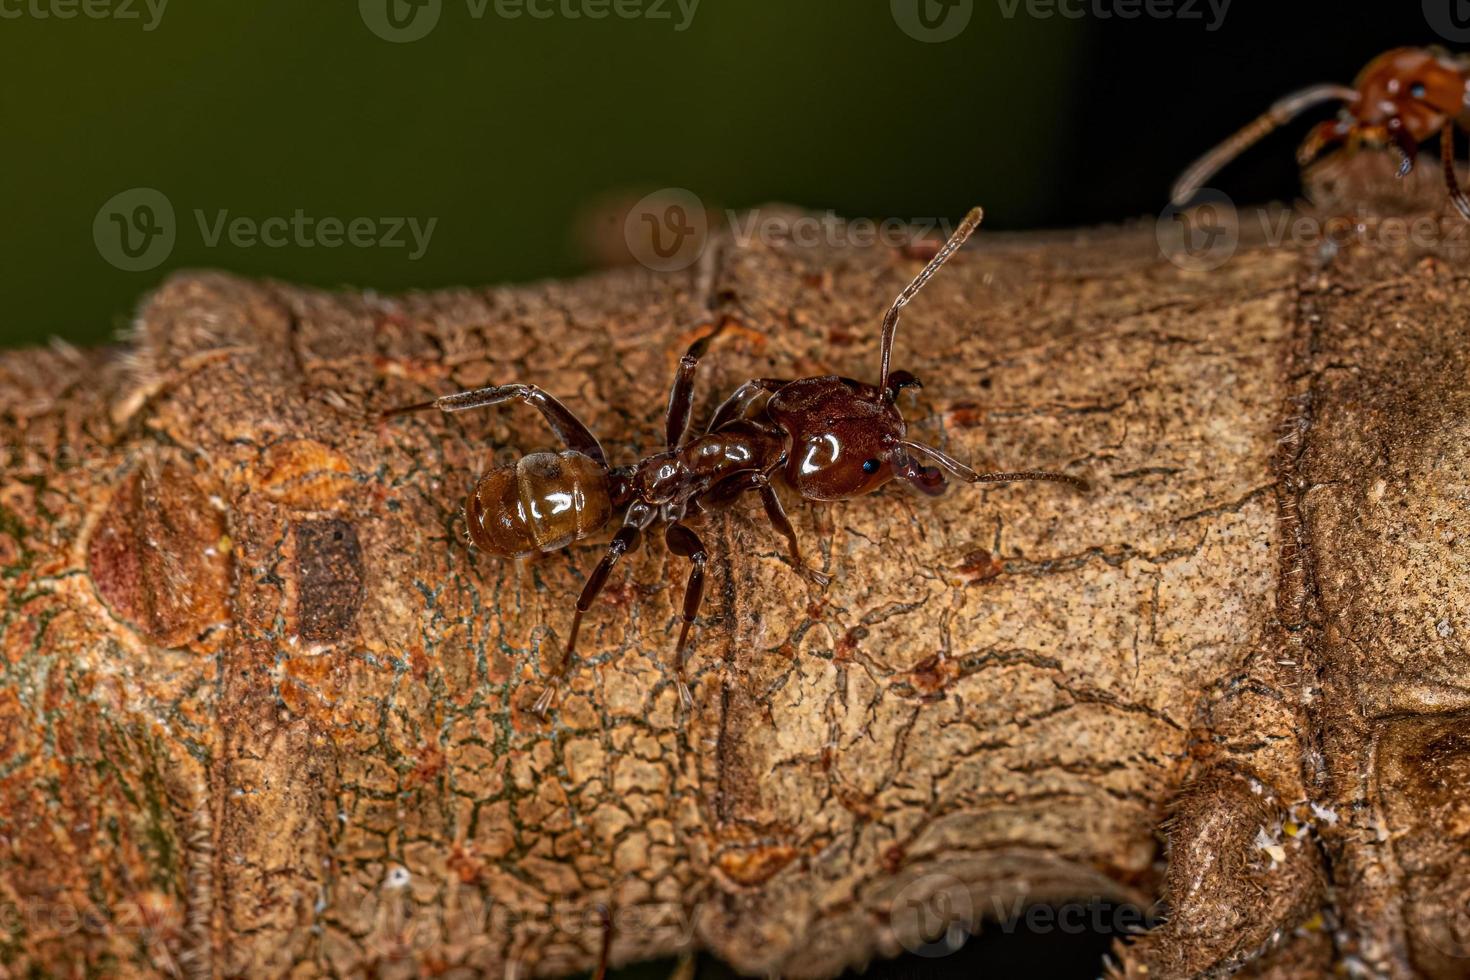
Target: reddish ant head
1417,87
1400,99
845,437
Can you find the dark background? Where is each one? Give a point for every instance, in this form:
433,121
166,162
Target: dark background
513,134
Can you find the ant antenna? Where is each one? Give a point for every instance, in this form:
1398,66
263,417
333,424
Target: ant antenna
890,321
1281,112
1447,159
964,472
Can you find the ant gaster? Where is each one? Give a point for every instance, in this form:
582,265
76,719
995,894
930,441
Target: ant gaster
1400,99
828,438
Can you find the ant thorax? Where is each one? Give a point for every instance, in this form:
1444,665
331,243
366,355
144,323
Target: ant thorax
737,447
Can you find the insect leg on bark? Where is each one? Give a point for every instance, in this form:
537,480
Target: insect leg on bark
572,431
628,538
685,543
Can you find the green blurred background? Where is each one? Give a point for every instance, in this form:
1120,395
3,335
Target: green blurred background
507,131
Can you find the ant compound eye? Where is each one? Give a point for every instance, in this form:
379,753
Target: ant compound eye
871,466
1418,91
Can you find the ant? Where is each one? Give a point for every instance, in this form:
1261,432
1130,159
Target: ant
1400,99
829,438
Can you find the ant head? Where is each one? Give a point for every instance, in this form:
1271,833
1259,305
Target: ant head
845,437
1412,88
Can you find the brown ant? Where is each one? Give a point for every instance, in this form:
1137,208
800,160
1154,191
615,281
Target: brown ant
828,438
1400,99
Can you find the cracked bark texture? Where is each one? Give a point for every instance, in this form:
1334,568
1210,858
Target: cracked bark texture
264,713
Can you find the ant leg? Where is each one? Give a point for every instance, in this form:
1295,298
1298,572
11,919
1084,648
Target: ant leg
970,476
1403,145
777,515
681,396
742,404
1447,157
568,428
627,539
607,932
726,491
1320,137
685,543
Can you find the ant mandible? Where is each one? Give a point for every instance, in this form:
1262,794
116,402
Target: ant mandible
1400,99
828,438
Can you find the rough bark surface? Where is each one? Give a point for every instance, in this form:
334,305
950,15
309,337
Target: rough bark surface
264,713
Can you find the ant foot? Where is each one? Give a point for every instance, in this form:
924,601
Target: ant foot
686,700
815,577
542,707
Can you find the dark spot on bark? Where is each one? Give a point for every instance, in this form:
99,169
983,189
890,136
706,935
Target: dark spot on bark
756,865
328,579
966,415
979,566
1441,766
159,556
848,643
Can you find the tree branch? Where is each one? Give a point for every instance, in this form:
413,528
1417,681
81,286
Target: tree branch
263,710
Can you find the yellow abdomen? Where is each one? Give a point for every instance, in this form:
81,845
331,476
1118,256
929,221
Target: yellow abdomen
537,504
